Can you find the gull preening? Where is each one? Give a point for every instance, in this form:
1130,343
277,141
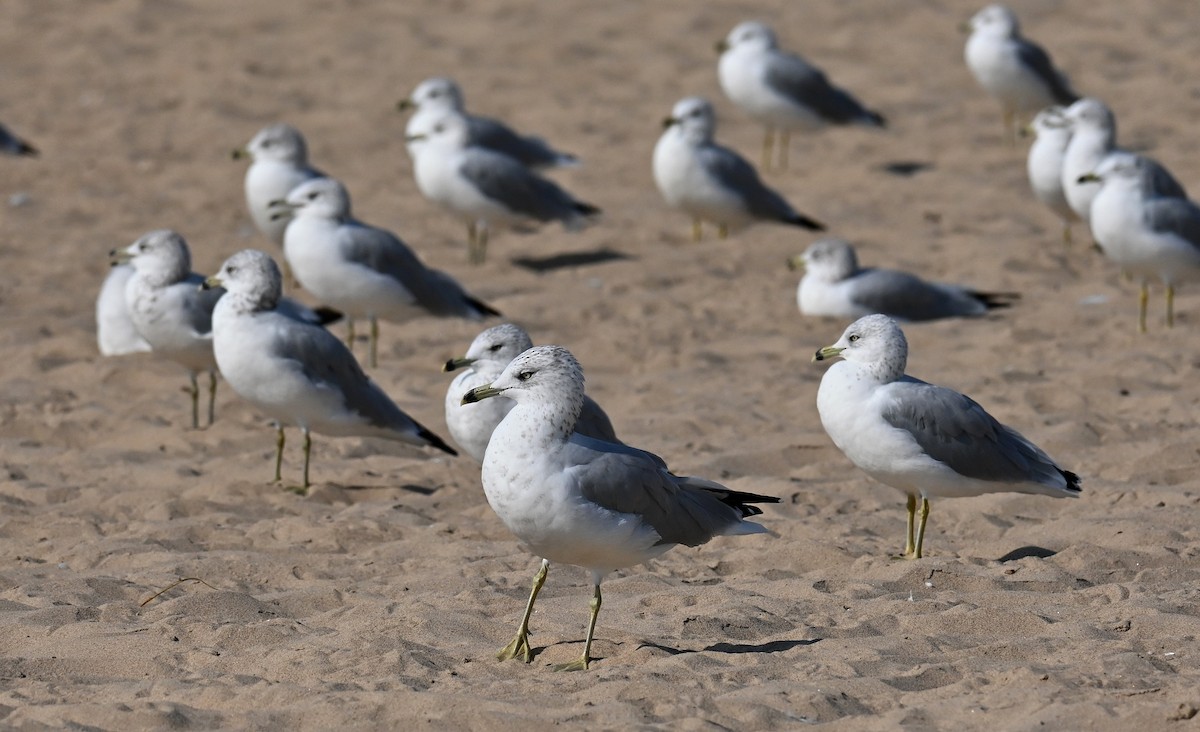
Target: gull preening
116,335
924,440
710,182
362,270
782,91
471,425
278,163
594,504
297,373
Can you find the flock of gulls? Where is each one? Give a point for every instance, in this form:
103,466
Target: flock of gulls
553,468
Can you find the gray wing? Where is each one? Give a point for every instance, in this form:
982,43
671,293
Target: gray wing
906,296
200,303
1034,58
593,422
383,252
515,187
1177,216
954,430
1158,180
794,78
530,151
733,173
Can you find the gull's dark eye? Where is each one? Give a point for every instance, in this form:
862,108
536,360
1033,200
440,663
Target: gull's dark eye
268,143
230,269
143,247
854,337
313,196
439,128
434,94
495,347
525,376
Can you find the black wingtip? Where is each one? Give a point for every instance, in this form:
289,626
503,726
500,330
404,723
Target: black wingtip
743,501
586,209
806,222
435,441
996,300
326,315
482,307
27,150
1073,482
877,119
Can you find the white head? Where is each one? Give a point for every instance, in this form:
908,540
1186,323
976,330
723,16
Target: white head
1124,169
449,130
251,280
1091,115
1051,121
831,260
437,93
546,376
694,119
160,257
323,198
874,342
497,345
995,20
280,143
750,34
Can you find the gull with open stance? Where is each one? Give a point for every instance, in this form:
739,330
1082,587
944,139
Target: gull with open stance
1044,165
298,373
10,144
471,425
594,504
781,90
364,271
1147,234
710,182
435,97
116,335
834,285
921,439
483,187
278,163
1011,68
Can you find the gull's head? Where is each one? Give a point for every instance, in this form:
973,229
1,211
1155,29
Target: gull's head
995,20
1118,168
499,344
548,374
1091,114
694,119
450,130
437,93
162,255
280,143
748,35
323,198
831,260
250,276
874,341
1051,120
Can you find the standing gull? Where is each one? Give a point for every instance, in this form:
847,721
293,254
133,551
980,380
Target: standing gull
710,182
484,187
781,90
834,285
278,163
922,439
298,373
586,502
10,144
1013,69
1044,165
471,425
435,97
364,271
116,335
1147,234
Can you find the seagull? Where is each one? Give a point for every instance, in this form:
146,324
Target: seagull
10,144
834,285
781,90
484,187
471,425
364,271
710,182
278,163
1013,69
116,334
1044,165
435,97
298,373
1147,234
577,500
922,439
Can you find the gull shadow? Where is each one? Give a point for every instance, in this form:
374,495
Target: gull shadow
1027,551
769,647
568,260
905,168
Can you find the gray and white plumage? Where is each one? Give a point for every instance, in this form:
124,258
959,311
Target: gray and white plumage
1014,70
922,439
10,144
1094,138
362,270
710,182
297,373
435,97
1149,235
1044,163
834,285
586,502
471,425
279,162
485,188
116,334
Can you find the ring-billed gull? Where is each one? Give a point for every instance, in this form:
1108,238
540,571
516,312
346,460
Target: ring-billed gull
1093,138
10,144
834,285
484,187
116,334
1147,234
278,163
436,96
298,373
1013,69
364,271
471,425
710,182
781,90
581,501
921,439
1044,165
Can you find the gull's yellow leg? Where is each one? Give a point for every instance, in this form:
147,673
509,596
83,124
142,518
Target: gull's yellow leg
722,231
477,242
1143,300
278,453
519,648
1170,306
374,344
194,391
212,396
910,548
1066,232
581,663
697,230
921,527
350,333
1009,131
768,144
785,141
